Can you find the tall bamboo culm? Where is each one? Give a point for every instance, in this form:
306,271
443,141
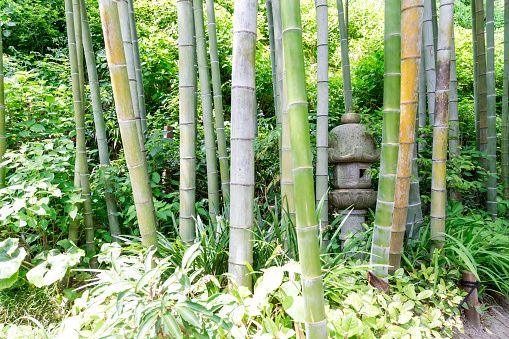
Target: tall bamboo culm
345,59
79,47
74,226
411,35
390,141
79,115
272,45
137,65
505,108
476,78
491,147
306,222
3,140
100,127
224,168
422,119
187,111
287,188
414,218
481,79
242,141
322,110
429,58
123,12
454,133
278,39
441,128
135,159
208,119
434,18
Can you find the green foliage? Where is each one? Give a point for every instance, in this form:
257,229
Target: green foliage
141,295
11,257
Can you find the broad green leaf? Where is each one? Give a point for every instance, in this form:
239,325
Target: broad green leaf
172,325
294,306
188,315
11,257
146,326
272,279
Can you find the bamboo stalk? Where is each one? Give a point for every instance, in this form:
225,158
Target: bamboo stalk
390,141
476,76
100,127
278,37
137,64
3,136
218,102
491,147
505,108
454,135
136,162
74,226
345,60
79,114
187,109
123,12
481,82
434,18
322,111
411,35
422,97
306,222
79,47
287,182
429,58
414,219
242,141
272,45
208,120
441,128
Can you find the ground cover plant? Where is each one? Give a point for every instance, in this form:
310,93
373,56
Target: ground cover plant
165,169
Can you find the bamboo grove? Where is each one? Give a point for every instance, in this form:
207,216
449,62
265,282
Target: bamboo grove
420,90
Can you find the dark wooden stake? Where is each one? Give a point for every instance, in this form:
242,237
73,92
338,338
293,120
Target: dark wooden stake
472,301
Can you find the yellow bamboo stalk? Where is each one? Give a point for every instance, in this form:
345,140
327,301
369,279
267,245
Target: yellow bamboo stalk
411,35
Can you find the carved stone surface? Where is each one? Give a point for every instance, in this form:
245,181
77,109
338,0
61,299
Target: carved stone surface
352,143
351,175
359,198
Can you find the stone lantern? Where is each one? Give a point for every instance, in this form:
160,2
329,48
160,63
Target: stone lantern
352,150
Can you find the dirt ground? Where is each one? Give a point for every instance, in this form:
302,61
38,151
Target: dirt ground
494,322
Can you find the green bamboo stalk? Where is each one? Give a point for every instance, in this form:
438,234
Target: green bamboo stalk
306,222
3,136
287,188
441,128
278,37
435,26
414,218
123,12
422,97
454,135
429,58
218,102
100,127
476,76
242,141
491,147
482,82
79,47
74,226
208,120
322,110
345,60
505,108
411,35
187,109
272,44
136,162
390,141
79,114
137,64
